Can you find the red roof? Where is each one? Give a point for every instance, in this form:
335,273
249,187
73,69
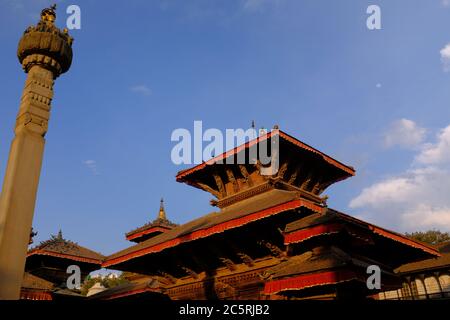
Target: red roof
215,223
318,224
347,169
59,247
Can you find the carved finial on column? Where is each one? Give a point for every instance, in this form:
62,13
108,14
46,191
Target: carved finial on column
49,14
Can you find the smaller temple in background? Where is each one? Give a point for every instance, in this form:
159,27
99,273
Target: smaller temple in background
152,229
426,279
46,268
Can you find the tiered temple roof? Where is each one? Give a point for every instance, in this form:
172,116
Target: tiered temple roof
302,168
50,259
152,229
272,235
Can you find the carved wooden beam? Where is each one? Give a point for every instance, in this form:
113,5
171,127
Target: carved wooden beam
274,250
228,263
246,259
168,277
220,184
190,272
306,182
282,170
316,187
294,175
232,178
246,175
204,186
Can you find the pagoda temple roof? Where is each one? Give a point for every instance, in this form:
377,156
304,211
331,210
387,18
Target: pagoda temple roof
159,225
236,215
321,266
309,262
59,247
430,264
243,171
301,230
164,223
346,170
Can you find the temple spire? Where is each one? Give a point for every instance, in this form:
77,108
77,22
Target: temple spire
162,211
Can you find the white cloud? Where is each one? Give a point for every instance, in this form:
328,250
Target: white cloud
404,133
436,153
141,89
390,190
416,199
428,217
445,3
445,57
92,165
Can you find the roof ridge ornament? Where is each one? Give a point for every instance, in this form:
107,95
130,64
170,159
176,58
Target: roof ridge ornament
162,211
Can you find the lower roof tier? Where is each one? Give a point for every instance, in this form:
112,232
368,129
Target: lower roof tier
266,224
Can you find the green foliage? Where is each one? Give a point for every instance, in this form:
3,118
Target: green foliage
430,236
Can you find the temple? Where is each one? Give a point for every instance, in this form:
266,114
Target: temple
151,229
272,237
46,268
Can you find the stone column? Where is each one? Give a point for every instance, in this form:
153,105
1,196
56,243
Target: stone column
44,52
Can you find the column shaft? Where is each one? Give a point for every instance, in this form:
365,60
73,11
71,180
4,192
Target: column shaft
18,197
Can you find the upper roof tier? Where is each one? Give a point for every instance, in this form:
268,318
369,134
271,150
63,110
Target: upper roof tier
300,168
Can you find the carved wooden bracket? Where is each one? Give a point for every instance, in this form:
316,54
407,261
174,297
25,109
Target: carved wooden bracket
228,263
246,175
190,272
275,250
232,179
168,277
220,185
246,259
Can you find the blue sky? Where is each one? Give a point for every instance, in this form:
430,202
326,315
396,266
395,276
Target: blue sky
377,100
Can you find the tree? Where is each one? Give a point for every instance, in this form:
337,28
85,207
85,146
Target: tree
88,283
430,236
106,281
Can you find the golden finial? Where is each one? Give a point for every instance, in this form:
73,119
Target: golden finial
162,212
49,14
